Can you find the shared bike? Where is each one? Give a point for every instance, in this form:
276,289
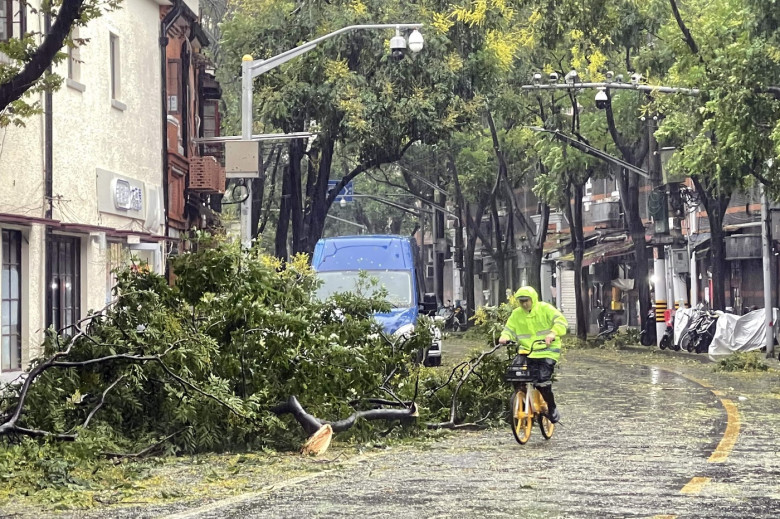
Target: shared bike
527,405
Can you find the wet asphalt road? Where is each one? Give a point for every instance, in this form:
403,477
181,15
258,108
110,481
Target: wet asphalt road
641,436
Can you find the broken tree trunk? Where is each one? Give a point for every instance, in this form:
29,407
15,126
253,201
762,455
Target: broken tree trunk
320,431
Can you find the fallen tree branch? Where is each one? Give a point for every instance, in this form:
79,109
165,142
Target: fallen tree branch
102,401
311,424
199,390
472,426
381,401
143,452
452,374
473,364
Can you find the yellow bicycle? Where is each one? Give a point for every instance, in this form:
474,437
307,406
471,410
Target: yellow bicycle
527,404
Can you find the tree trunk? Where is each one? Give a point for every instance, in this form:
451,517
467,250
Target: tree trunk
472,221
716,206
317,199
534,270
574,214
468,282
280,242
628,188
296,196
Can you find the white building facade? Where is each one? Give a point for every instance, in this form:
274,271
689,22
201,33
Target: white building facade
81,189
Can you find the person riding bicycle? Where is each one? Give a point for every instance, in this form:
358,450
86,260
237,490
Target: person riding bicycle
531,322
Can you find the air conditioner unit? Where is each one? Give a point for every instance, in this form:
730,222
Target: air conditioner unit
206,175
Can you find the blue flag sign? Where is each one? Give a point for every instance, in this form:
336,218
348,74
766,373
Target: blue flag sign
345,193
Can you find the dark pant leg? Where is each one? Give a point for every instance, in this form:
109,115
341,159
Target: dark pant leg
544,385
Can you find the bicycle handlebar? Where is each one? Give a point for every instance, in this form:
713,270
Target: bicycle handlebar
537,341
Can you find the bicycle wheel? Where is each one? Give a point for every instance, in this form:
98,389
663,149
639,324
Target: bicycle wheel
521,419
685,342
545,425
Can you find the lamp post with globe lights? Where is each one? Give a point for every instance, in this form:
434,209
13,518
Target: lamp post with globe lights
572,83
251,68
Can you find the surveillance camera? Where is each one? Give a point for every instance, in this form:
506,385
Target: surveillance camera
610,75
553,77
397,47
571,77
619,78
537,78
602,101
636,78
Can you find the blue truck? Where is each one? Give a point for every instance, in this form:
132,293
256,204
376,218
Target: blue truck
395,262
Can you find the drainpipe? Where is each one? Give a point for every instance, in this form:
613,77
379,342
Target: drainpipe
166,23
48,131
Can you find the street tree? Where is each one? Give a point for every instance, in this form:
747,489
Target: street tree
348,91
28,55
724,138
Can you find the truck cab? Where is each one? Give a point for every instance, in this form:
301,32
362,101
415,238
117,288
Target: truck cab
395,262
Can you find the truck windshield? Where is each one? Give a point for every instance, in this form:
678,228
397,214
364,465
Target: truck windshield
397,282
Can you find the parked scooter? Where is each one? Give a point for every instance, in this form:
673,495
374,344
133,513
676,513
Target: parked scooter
647,335
700,332
459,318
452,318
705,331
606,322
667,341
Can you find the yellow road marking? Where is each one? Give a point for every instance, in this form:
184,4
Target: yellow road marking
733,423
695,485
729,439
664,517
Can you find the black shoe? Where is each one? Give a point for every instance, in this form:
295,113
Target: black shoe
554,416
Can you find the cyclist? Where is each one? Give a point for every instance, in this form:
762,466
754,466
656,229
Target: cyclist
533,321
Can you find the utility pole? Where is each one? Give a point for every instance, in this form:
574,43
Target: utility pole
766,258
693,228
439,247
661,223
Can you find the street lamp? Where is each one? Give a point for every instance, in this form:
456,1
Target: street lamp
251,68
602,102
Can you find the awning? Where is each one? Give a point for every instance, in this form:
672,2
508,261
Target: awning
699,240
602,251
562,245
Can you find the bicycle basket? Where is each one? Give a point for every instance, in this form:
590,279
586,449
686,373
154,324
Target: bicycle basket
520,371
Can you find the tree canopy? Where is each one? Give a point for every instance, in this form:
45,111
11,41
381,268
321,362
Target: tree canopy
29,55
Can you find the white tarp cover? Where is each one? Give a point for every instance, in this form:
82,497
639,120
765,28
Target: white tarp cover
682,317
734,333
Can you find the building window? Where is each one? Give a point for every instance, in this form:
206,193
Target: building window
118,256
176,195
173,85
210,119
116,91
74,57
63,280
11,301
12,19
